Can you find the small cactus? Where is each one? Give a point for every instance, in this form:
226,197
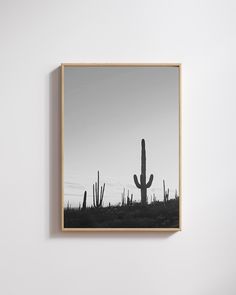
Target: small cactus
123,198
98,194
154,198
165,193
129,199
68,205
84,200
176,195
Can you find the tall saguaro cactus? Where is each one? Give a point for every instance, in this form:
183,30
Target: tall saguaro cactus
143,185
98,194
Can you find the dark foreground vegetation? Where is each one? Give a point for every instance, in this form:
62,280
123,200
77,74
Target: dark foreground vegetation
155,215
128,213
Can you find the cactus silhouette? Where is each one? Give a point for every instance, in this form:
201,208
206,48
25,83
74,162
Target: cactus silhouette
130,200
154,198
123,198
84,200
126,200
166,193
176,195
68,206
98,194
143,185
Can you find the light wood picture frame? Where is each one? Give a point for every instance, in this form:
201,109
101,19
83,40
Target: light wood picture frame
121,147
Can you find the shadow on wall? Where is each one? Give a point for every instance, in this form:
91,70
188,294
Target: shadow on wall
55,174
54,153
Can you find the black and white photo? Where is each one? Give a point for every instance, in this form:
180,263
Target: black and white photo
121,146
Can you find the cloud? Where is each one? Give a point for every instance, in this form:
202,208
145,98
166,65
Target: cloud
74,185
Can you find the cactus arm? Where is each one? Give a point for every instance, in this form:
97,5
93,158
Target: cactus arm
100,197
93,196
102,194
98,184
136,181
150,181
103,190
96,196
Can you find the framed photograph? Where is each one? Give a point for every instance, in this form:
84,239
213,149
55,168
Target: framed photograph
121,147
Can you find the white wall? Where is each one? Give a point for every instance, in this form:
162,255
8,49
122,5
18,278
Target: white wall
36,36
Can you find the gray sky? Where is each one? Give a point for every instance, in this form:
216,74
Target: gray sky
108,110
